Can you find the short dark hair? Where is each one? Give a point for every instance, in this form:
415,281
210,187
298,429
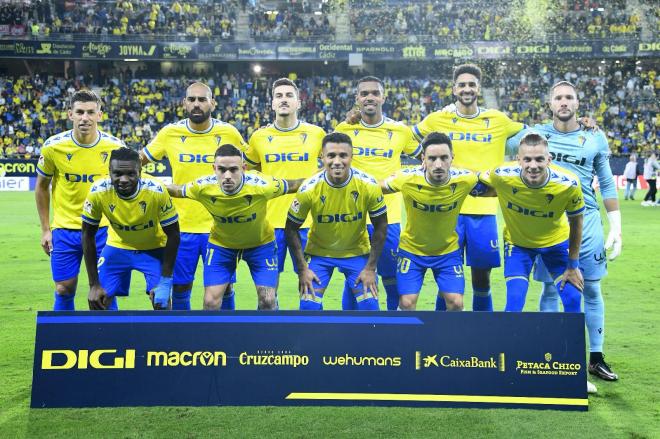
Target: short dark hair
560,83
472,69
532,139
336,138
436,138
125,154
228,150
284,81
84,96
371,79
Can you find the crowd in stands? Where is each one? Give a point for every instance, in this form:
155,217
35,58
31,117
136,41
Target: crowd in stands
624,103
288,24
576,19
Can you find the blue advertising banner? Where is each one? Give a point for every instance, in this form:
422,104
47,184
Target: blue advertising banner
522,360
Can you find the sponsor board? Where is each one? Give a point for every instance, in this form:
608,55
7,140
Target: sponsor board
90,359
14,184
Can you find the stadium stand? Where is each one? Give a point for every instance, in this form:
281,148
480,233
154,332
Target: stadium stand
288,23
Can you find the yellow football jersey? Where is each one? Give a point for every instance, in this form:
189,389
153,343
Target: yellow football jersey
377,150
479,143
74,167
136,223
190,154
534,217
239,219
431,210
290,154
339,213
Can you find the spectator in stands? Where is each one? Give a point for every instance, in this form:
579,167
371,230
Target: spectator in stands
630,174
651,168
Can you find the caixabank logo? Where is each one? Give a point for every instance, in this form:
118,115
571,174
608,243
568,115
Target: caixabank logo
445,360
547,366
67,359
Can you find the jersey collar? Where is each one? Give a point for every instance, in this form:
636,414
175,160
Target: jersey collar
536,187
437,185
238,189
286,129
376,125
199,132
469,116
137,191
350,176
87,145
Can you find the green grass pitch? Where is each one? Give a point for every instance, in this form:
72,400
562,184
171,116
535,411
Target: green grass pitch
627,408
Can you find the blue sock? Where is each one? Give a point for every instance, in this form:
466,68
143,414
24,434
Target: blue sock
310,305
64,303
348,302
392,293
181,300
549,301
594,314
366,302
481,300
516,291
113,305
229,300
440,304
570,297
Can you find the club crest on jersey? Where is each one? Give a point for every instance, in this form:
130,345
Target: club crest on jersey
452,187
389,134
69,156
248,198
355,195
486,122
183,139
111,207
322,199
218,139
303,137
582,140
104,157
549,198
143,206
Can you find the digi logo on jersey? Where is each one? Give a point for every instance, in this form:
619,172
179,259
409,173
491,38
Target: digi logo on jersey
287,157
80,178
471,137
339,218
236,219
133,228
529,212
373,152
196,158
84,359
568,158
434,207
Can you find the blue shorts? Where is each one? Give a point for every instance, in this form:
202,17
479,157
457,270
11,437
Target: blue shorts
593,262
220,267
280,240
116,264
518,261
477,237
191,248
67,252
447,271
323,267
388,258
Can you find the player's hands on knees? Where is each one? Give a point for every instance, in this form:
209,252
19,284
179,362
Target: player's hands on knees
369,282
98,298
574,277
353,116
47,242
161,296
306,279
588,123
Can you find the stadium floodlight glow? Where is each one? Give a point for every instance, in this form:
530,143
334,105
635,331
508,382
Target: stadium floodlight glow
131,59
256,68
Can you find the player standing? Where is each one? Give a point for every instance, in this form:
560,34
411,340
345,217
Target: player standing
189,145
144,234
433,194
378,143
241,229
339,199
479,138
585,153
288,148
534,196
71,160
